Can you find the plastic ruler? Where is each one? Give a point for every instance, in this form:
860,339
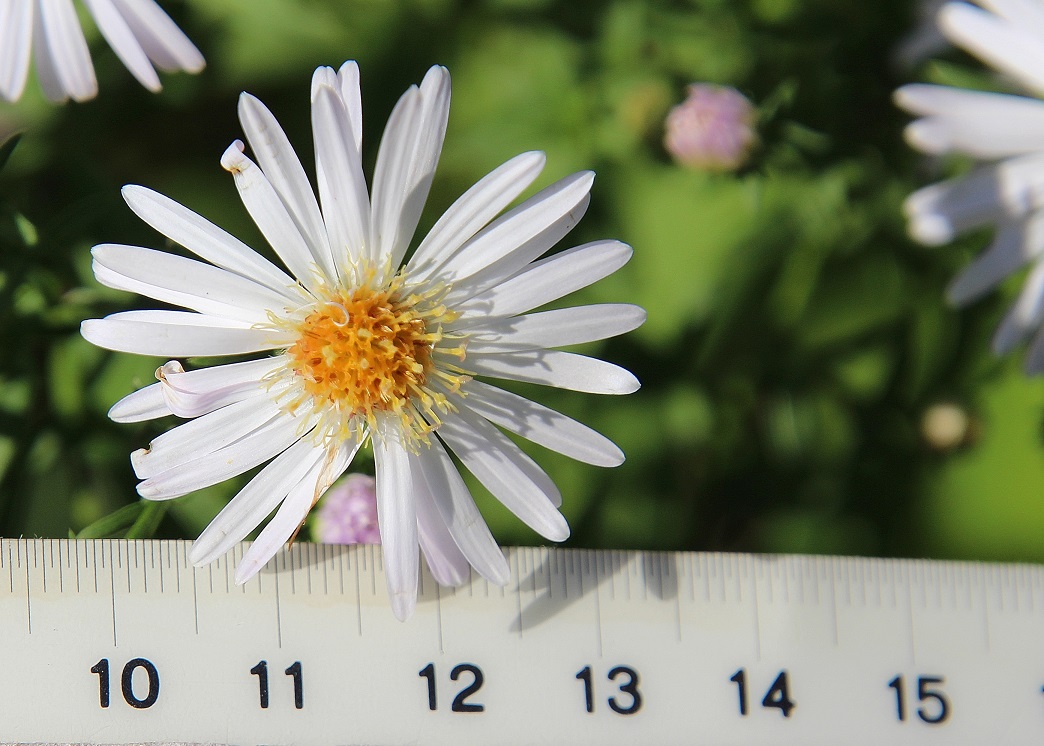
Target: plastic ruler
113,642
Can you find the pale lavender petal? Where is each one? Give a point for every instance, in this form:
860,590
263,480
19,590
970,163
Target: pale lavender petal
397,515
453,502
196,392
445,560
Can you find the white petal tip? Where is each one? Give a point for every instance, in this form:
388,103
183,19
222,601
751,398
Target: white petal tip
403,605
89,330
232,159
148,491
625,383
929,136
931,230
247,570
557,531
499,573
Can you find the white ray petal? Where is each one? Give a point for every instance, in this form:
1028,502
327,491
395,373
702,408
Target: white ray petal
281,526
406,161
342,185
182,226
1025,13
272,438
1009,48
1025,315
1015,245
508,473
283,168
474,209
160,37
121,38
16,37
984,125
184,282
453,502
517,259
558,328
196,392
564,370
46,72
203,435
397,517
445,560
256,500
144,404
541,425
60,39
294,509
178,334
540,221
348,81
1012,189
270,214
548,280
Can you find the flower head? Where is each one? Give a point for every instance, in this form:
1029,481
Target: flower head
712,129
364,346
348,512
140,33
1006,133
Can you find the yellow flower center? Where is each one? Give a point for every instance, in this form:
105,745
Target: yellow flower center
372,351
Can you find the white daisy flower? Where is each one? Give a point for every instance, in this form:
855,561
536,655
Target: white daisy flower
1004,131
140,33
366,348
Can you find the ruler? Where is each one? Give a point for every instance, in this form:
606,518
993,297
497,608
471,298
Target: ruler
113,642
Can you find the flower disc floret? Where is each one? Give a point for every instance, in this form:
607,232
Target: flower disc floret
363,352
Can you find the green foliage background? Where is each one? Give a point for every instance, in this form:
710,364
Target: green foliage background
795,339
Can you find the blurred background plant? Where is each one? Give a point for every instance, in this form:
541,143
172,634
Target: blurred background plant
805,386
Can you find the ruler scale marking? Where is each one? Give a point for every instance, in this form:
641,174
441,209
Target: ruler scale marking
654,659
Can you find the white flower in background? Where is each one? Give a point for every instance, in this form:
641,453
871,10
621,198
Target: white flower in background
367,348
140,33
348,512
1007,133
712,129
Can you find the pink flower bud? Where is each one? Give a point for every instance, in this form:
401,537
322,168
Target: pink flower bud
712,130
348,512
